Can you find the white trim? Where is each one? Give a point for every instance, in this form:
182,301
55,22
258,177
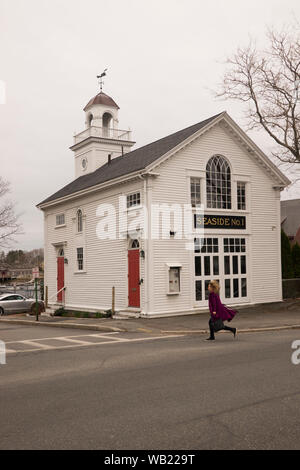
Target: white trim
252,147
170,266
281,179
59,244
90,190
174,265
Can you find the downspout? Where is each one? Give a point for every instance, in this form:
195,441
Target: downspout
146,246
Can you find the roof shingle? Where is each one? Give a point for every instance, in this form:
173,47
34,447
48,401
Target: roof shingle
130,162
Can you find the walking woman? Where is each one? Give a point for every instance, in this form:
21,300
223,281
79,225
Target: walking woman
218,312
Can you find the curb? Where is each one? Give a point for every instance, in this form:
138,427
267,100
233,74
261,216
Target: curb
65,325
124,330
239,330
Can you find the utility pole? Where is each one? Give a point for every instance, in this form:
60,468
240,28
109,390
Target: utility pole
35,273
36,299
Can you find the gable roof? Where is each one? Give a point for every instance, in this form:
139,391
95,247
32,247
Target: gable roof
130,162
151,155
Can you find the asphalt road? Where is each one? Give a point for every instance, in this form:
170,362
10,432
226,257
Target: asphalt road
143,393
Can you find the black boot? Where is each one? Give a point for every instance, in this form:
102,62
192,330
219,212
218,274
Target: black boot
211,330
233,330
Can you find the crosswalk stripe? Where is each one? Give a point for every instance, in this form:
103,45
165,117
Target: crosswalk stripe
59,337
72,340
78,343
36,343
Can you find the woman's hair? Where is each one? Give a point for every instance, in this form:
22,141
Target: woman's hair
215,286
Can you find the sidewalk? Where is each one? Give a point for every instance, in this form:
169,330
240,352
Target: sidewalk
262,317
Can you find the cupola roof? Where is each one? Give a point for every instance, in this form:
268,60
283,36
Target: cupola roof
101,98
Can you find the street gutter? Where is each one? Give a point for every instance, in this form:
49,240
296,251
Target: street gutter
65,325
239,330
104,328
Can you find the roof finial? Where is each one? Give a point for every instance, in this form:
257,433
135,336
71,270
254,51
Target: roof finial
103,74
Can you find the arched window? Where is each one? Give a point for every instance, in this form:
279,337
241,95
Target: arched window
134,244
106,123
79,220
90,119
218,183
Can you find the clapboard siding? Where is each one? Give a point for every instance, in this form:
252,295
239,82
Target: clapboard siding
105,261
263,222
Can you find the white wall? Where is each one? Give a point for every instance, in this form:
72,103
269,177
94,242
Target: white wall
263,222
105,260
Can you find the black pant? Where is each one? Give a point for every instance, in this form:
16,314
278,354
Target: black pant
211,328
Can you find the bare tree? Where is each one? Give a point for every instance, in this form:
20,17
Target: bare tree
269,81
9,225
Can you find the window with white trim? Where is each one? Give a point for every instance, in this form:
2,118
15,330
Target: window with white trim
235,268
195,192
79,221
241,196
224,259
218,183
133,200
60,219
80,259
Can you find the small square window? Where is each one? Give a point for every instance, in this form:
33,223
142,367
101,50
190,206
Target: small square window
60,219
133,200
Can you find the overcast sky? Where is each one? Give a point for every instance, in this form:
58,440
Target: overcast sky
163,57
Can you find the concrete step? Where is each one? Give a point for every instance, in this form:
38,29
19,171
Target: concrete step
49,312
127,313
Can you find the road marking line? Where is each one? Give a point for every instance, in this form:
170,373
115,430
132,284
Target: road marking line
55,337
72,340
89,344
103,336
35,343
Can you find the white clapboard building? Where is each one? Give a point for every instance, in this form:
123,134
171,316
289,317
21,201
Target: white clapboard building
159,222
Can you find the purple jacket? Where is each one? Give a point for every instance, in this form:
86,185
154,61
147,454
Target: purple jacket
223,312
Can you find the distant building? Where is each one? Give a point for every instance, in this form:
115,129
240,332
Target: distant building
8,273
5,273
21,273
290,219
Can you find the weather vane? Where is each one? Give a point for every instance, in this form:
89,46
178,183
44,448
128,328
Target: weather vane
103,74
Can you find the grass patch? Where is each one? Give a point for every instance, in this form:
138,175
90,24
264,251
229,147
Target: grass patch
61,312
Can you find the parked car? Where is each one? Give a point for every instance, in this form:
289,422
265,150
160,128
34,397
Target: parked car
13,303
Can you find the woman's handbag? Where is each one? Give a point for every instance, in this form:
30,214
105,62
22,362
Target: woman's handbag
218,324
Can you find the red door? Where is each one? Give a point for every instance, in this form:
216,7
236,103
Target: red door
60,277
133,278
